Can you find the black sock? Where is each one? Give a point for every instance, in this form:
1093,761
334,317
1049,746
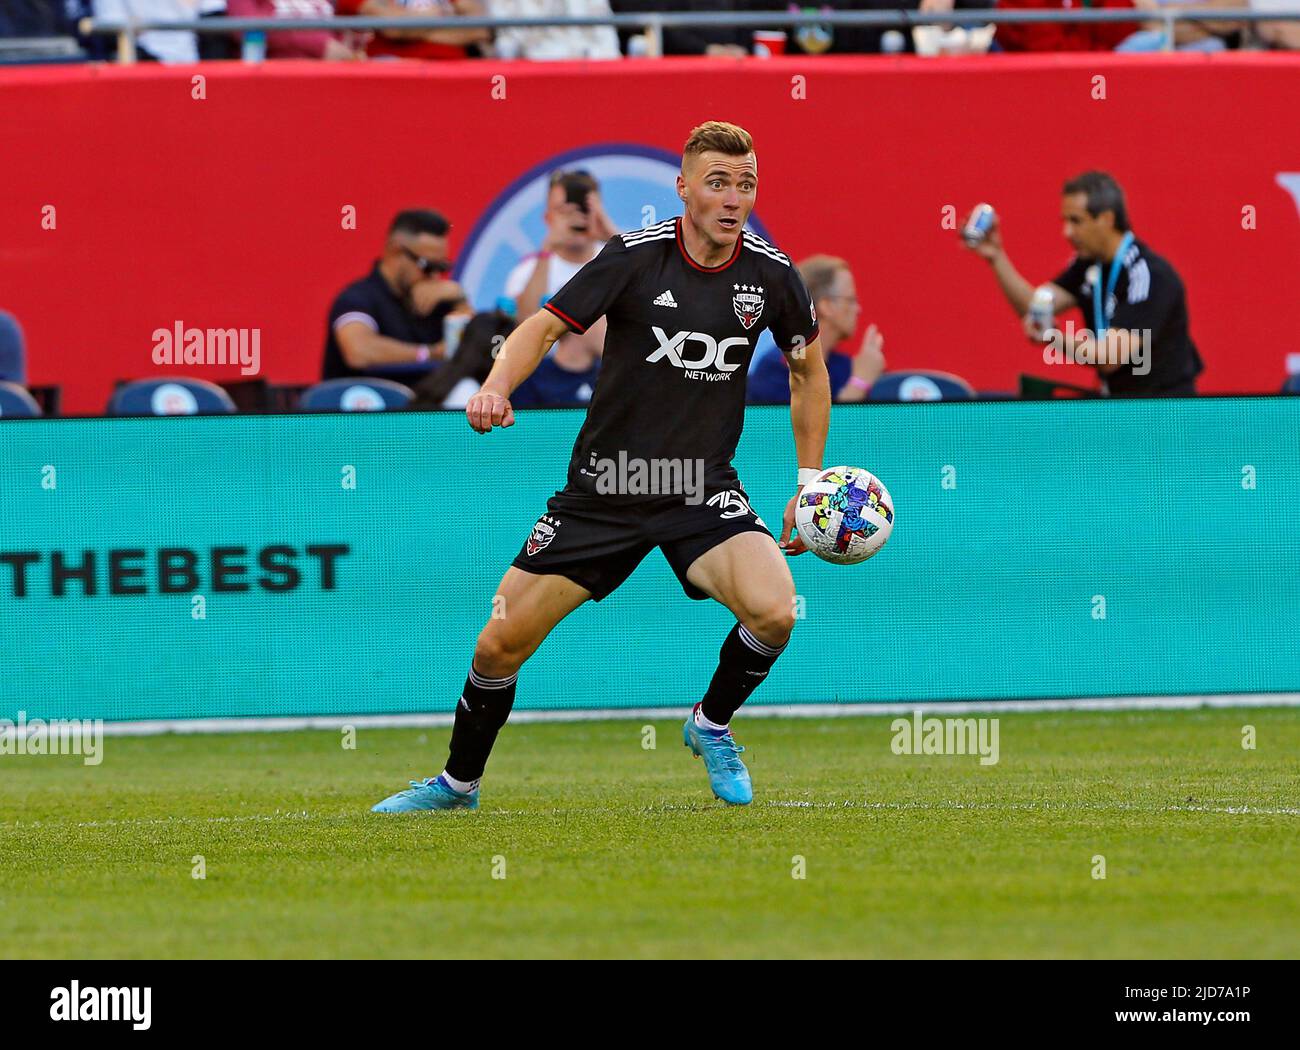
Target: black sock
742,664
483,709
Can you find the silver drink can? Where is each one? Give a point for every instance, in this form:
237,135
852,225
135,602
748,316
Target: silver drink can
978,225
1042,309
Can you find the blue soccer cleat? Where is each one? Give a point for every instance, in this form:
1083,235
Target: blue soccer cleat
727,773
432,793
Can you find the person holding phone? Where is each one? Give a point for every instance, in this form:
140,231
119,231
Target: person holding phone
577,226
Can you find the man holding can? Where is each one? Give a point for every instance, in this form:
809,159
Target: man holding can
1133,301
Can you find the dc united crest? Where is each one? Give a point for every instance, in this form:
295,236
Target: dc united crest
542,534
748,304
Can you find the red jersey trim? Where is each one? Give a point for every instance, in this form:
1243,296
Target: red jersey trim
565,318
707,269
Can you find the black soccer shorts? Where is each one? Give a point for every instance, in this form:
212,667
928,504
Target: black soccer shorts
598,545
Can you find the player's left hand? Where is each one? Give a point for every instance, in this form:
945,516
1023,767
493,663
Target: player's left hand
791,545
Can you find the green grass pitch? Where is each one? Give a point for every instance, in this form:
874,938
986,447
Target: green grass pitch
610,849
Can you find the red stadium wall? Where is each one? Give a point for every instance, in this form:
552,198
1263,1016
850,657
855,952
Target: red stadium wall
225,212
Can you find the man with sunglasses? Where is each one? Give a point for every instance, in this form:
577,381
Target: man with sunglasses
390,323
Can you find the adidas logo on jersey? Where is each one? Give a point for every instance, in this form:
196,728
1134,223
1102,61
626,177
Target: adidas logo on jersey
666,299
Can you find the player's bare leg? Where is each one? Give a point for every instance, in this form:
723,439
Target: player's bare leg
526,608
531,605
749,575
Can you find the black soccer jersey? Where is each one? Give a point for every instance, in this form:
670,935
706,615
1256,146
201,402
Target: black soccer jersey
1148,297
677,347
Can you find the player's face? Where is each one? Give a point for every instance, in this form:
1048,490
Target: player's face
838,309
719,193
1086,233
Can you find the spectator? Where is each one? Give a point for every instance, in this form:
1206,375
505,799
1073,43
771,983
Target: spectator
566,376
1049,36
835,298
577,227
33,18
13,351
554,42
437,44
720,40
452,385
304,43
173,47
1276,34
1131,298
390,323
1188,36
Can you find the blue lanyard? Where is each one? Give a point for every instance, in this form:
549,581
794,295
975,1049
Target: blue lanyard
1101,319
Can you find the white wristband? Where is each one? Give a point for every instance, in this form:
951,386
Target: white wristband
807,474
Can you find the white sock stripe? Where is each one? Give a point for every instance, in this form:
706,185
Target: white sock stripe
759,647
491,683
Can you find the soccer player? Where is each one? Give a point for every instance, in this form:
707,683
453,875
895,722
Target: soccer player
684,301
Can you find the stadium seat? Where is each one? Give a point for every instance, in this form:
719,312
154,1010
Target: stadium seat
355,395
920,386
169,396
15,402
13,357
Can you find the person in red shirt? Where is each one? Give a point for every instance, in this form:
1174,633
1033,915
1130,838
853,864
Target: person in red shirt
1050,36
418,43
1064,36
304,43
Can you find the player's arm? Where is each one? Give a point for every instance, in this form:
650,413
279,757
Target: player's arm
362,347
810,416
810,403
520,355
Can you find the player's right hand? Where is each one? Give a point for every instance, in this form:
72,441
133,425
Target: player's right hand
486,410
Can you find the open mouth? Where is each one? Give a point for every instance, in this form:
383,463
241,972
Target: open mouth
728,223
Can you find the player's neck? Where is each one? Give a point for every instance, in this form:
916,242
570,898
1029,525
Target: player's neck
701,249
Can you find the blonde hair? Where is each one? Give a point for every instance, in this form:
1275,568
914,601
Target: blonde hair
719,137
819,272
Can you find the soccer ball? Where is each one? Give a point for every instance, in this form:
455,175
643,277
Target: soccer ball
844,515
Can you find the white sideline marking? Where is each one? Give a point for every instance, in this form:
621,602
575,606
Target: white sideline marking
685,807
433,721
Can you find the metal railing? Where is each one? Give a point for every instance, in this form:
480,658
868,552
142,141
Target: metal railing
654,23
